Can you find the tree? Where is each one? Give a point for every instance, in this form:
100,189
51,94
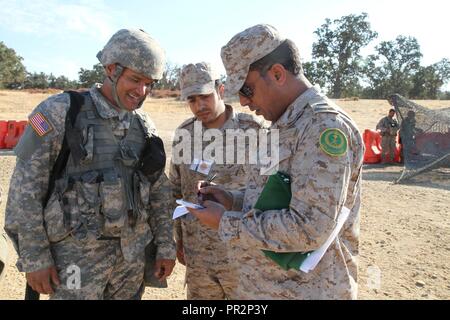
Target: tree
37,81
336,53
170,79
62,83
315,72
12,71
428,80
88,78
392,68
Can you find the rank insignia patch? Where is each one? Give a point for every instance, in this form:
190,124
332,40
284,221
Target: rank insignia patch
40,124
333,142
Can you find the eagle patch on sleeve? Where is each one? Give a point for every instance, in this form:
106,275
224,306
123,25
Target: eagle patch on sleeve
40,124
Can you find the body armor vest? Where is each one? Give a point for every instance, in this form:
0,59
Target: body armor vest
103,191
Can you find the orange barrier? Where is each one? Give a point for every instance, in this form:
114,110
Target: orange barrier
3,132
14,132
372,142
398,150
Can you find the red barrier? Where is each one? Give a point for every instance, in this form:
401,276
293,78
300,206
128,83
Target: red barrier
14,132
3,132
398,150
372,142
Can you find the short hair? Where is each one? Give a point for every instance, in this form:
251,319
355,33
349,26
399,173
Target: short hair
286,54
391,110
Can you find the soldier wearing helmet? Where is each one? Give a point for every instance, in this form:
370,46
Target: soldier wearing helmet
79,211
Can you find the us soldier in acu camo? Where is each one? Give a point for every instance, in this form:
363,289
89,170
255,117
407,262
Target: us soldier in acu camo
87,241
320,149
210,272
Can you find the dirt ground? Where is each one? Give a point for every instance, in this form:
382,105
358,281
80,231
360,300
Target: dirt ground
405,228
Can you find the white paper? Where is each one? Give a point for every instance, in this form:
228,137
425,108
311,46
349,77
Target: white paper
194,165
313,259
189,204
181,209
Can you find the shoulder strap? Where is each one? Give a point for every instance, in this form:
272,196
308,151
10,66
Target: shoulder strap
71,139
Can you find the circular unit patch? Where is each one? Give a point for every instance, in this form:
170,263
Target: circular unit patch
333,142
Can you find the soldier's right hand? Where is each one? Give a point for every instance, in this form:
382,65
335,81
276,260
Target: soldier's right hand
224,197
42,280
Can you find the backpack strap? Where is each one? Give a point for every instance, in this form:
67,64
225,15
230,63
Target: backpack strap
71,143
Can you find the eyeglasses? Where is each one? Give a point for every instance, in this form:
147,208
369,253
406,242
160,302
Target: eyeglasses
246,91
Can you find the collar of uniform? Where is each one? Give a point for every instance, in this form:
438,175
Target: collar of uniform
232,121
104,107
292,112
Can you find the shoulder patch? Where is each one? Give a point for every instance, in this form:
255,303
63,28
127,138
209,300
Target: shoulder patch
40,124
333,142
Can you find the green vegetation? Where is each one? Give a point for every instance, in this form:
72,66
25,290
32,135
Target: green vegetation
337,66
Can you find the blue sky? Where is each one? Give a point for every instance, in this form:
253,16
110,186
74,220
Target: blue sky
62,36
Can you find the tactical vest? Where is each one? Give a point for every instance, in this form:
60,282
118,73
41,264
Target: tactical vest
104,190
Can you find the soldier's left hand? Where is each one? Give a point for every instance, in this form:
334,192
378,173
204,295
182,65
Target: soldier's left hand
164,268
211,215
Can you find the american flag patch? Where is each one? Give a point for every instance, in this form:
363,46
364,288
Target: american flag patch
40,124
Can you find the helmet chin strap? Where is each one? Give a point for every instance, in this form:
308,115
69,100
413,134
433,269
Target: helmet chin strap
114,79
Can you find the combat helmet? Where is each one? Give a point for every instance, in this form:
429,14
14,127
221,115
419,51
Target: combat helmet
136,50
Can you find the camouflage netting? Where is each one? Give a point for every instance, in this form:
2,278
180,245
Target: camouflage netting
425,136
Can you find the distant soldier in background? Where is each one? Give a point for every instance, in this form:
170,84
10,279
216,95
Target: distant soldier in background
210,273
85,237
388,128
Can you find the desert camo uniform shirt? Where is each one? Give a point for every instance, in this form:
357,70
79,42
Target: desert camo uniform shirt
321,150
111,268
210,272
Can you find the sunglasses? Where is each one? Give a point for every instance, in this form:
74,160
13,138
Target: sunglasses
246,91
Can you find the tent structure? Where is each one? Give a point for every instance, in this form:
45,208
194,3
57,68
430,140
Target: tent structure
425,136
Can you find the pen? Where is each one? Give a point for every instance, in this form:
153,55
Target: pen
210,179
203,197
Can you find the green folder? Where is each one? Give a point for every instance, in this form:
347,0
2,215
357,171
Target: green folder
277,195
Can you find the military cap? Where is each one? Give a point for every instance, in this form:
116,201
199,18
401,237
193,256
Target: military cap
245,48
197,79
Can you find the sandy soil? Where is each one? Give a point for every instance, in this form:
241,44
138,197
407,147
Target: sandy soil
405,228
